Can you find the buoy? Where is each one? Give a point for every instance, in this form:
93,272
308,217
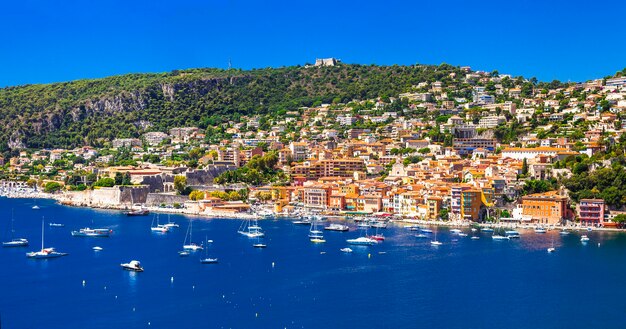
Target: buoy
116,297
369,255
105,287
172,279
256,314
193,287
84,283
148,322
598,244
133,309
273,264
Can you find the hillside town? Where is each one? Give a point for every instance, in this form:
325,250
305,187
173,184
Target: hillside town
476,147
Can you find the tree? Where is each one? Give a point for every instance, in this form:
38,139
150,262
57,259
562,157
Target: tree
119,179
525,167
105,182
52,187
196,195
126,179
180,184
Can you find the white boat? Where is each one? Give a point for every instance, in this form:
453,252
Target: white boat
512,234
259,245
435,242
158,228
207,259
425,230
133,265
249,229
462,234
363,224
184,253
499,237
379,224
44,253
337,227
475,238
14,242
584,238
315,234
96,248
455,231
412,227
540,230
170,224
35,207
188,244
474,229
487,229
421,236
93,232
347,250
362,241
551,249
56,225
564,232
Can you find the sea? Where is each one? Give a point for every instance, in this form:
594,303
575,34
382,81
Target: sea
403,282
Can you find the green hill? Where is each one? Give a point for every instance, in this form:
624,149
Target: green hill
88,112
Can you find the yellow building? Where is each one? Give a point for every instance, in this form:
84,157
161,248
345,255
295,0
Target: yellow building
545,208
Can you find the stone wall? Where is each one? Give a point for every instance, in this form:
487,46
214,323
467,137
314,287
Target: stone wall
156,199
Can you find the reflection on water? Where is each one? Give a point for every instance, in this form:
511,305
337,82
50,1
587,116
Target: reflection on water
132,281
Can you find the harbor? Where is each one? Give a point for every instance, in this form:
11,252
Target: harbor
279,285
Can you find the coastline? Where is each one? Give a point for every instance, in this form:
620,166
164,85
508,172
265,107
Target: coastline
28,193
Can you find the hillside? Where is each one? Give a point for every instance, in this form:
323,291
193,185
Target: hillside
88,112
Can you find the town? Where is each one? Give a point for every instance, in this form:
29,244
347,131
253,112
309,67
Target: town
472,147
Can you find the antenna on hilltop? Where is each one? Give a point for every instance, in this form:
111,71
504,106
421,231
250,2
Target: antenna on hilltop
229,64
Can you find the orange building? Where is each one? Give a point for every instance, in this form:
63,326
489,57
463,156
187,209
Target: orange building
545,208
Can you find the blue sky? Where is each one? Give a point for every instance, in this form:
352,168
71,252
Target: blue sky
48,41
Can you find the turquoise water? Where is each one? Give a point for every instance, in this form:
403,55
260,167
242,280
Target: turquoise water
462,284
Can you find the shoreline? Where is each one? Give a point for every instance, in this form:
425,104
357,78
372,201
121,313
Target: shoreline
27,193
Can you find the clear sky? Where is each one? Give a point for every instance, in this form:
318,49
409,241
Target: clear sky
48,41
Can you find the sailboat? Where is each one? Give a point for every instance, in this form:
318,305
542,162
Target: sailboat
188,244
35,207
44,253
158,228
170,224
435,242
140,211
377,236
251,230
207,259
552,249
15,242
315,234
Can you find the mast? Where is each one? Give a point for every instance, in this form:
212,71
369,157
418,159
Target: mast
42,220
12,225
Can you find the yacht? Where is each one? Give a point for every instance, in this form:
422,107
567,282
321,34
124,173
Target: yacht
540,230
35,207
158,228
487,230
425,230
184,253
379,224
303,221
259,245
435,243
584,238
15,242
133,265
93,232
413,228
251,230
455,231
512,234
138,212
170,224
551,249
462,234
44,253
500,237
362,241
564,232
96,248
346,250
315,235
188,244
337,227
207,259
475,237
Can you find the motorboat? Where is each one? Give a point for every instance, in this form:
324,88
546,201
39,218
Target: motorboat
317,239
184,253
455,231
564,232
304,221
474,229
378,237
379,224
56,225
487,230
96,248
435,243
475,238
421,236
500,237
551,249
44,253
425,230
259,245
35,207
362,241
208,261
133,265
412,227
346,250
93,232
512,234
337,227
138,212
462,234
584,238
540,230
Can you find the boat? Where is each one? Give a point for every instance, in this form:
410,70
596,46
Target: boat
378,236
552,249
303,221
207,259
412,227
364,224
512,234
56,225
184,253
96,248
564,232
170,224
44,253
158,228
93,232
455,231
337,227
249,229
584,238
379,224
133,265
259,245
462,234
425,230
138,212
319,239
188,244
362,241
499,237
435,242
540,230
35,207
421,236
315,235
14,242
474,229
475,238
487,230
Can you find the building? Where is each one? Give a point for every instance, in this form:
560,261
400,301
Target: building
299,151
125,142
591,212
545,208
520,153
154,138
329,168
326,61
491,121
317,197
466,146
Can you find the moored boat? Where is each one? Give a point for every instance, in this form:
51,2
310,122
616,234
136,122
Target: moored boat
346,250
14,242
362,241
44,253
133,265
93,232
337,227
584,238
